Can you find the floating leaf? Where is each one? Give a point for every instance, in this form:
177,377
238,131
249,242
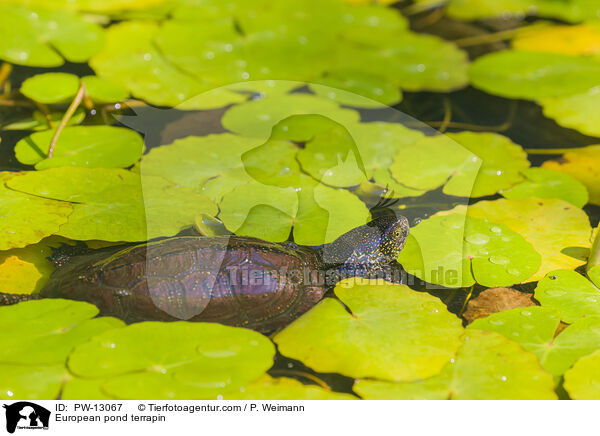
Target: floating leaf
193,160
184,361
569,292
457,251
98,6
258,117
544,183
45,331
430,162
104,91
25,270
559,231
84,389
43,38
351,88
116,205
581,163
391,332
38,121
583,39
27,219
318,213
579,112
487,367
34,383
532,327
84,146
51,88
496,300
283,388
131,60
582,381
534,75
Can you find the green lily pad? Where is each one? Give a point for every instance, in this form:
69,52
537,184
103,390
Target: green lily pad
383,178
582,381
349,155
185,361
534,75
544,183
83,146
559,231
43,38
569,292
98,6
49,88
409,60
583,164
104,91
193,160
45,331
391,333
455,250
435,161
25,270
580,112
130,59
568,10
357,89
319,214
258,117
27,219
487,367
41,382
532,327
114,204
283,388
84,389
38,121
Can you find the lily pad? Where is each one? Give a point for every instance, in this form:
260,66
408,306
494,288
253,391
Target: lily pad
351,88
45,331
430,162
83,146
25,270
582,381
283,388
581,163
579,112
455,250
27,219
116,205
38,121
49,88
41,382
319,214
583,39
130,59
258,117
193,160
487,367
569,292
44,38
389,332
559,231
544,183
185,361
534,75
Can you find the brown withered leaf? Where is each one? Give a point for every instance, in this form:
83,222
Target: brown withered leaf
494,300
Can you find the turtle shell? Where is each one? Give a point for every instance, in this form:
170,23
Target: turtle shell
232,280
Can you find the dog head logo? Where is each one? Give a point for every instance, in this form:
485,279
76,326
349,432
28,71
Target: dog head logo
26,415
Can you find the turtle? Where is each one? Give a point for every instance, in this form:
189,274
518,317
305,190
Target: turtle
233,280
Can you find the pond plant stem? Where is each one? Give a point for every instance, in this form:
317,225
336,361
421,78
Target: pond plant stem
5,71
447,116
464,306
65,119
594,259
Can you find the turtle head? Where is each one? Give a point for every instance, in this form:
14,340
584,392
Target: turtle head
385,237
376,244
